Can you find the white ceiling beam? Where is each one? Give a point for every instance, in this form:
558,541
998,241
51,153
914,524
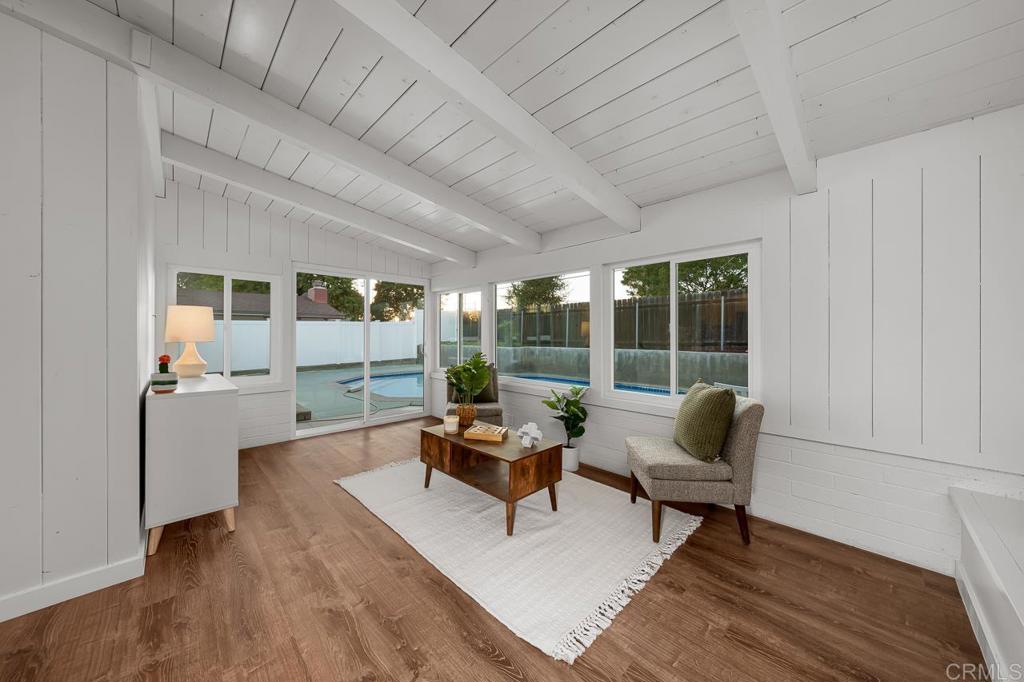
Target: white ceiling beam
111,37
187,154
149,119
759,23
449,73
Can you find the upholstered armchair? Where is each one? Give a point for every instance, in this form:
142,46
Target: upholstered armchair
668,473
488,408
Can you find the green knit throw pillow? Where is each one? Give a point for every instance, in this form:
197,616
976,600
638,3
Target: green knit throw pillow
703,420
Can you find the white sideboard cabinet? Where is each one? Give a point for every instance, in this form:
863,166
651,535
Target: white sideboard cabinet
191,453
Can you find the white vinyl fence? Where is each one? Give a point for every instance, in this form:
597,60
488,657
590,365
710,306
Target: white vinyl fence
317,342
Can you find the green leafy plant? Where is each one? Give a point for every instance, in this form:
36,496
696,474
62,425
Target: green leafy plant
571,412
469,378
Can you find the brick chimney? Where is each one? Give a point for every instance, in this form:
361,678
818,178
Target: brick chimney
318,292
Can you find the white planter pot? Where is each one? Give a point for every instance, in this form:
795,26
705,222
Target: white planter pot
570,458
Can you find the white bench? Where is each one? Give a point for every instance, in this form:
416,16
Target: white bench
990,572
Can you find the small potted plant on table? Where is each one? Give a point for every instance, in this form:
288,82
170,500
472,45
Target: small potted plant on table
467,380
572,414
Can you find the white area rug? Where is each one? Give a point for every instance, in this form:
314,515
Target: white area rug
560,580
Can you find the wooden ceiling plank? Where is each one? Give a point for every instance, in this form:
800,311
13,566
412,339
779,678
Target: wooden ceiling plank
718,63
186,154
641,26
253,35
486,103
503,25
704,32
381,88
227,130
674,116
1002,44
686,133
428,134
312,30
200,27
154,16
976,19
760,26
449,19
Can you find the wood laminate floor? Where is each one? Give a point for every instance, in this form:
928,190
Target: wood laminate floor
313,587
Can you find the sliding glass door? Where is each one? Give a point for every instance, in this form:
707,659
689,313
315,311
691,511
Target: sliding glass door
396,348
358,350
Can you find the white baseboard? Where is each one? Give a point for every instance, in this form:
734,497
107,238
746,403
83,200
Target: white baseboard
48,594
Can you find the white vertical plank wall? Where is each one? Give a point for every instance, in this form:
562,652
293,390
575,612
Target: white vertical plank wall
21,275
74,310
71,212
1002,321
204,229
124,208
891,363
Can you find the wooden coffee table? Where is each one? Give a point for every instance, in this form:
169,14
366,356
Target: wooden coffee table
505,470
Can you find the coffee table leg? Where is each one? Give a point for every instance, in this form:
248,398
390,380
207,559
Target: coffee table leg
426,476
554,499
510,517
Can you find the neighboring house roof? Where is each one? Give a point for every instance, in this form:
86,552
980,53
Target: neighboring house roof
245,304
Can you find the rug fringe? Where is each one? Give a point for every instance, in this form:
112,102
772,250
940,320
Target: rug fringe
389,465
576,641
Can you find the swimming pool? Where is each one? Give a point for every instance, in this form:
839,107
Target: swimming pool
401,385
639,388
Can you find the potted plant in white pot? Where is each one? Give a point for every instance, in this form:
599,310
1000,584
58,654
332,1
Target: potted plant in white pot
572,414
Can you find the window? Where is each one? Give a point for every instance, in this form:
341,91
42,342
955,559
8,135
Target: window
242,313
458,327
711,296
704,300
640,320
542,328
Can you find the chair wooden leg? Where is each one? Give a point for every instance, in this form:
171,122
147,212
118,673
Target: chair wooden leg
633,485
741,518
656,520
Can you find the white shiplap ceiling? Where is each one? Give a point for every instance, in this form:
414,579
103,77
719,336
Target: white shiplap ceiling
656,95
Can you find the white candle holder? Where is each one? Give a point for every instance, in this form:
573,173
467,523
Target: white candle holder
451,423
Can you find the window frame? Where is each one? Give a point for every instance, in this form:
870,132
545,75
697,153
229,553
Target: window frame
753,253
458,327
544,384
276,355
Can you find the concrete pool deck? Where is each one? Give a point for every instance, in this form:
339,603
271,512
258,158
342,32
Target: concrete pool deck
320,393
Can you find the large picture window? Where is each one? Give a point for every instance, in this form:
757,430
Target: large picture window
458,327
702,303
242,316
542,328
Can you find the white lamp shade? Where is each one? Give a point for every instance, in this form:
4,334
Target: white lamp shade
189,323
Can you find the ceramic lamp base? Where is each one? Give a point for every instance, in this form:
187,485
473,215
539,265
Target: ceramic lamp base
191,363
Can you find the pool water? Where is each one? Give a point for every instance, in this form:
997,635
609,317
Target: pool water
389,385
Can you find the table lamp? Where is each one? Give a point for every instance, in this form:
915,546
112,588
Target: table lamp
189,324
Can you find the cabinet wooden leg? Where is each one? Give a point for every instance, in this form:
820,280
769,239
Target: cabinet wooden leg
633,487
510,517
426,476
656,519
154,540
229,519
553,496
